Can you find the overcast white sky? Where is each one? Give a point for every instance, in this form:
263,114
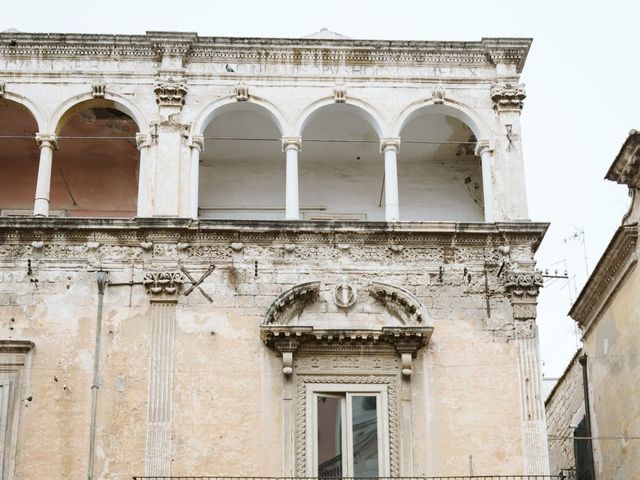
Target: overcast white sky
582,84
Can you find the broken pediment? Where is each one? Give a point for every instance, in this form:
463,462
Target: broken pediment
345,316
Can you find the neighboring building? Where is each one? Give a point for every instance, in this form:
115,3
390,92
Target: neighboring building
607,311
266,257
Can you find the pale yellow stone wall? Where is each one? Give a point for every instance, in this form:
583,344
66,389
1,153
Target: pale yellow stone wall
614,378
227,408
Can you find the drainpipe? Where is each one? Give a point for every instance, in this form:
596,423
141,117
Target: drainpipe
101,279
585,384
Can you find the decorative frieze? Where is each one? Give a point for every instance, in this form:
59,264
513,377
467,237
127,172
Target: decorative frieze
508,97
170,92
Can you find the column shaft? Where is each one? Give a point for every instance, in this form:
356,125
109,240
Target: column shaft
194,179
487,185
391,202
43,186
291,148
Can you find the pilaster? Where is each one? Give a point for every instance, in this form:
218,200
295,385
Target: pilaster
163,289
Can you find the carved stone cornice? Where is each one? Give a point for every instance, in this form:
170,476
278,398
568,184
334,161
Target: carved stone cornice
172,44
508,97
16,346
625,169
614,266
170,92
163,285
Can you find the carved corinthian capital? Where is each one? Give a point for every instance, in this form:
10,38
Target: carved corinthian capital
508,97
170,92
162,284
523,287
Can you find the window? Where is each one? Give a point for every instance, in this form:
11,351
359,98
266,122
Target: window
349,434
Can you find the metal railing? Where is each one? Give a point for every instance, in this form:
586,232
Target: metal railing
455,477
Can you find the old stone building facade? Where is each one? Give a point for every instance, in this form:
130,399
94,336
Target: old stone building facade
266,257
607,411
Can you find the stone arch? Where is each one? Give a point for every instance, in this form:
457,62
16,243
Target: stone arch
363,109
450,108
226,104
29,106
117,102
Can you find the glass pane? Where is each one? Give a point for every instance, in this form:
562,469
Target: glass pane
329,437
365,436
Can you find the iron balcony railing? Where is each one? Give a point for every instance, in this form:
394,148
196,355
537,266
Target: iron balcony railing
458,477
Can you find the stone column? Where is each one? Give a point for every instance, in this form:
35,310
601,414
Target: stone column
390,148
196,145
48,142
522,288
163,289
291,147
485,152
145,178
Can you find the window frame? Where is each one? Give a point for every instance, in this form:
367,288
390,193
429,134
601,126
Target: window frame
347,391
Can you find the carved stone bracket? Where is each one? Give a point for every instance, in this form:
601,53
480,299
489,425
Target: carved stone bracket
438,94
241,92
170,92
508,97
98,89
163,284
340,94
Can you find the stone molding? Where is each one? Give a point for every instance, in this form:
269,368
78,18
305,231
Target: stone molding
170,92
508,97
16,346
401,302
291,302
616,263
483,53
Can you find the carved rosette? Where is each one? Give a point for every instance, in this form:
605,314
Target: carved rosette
163,284
170,92
508,97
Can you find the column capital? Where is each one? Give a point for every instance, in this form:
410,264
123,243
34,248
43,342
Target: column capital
163,286
197,142
143,140
47,140
390,142
508,97
483,146
291,142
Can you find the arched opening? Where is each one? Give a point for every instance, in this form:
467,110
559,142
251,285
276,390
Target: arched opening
95,170
242,167
341,168
439,175
19,156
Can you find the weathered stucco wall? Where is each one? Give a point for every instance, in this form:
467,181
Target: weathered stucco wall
227,414
614,380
